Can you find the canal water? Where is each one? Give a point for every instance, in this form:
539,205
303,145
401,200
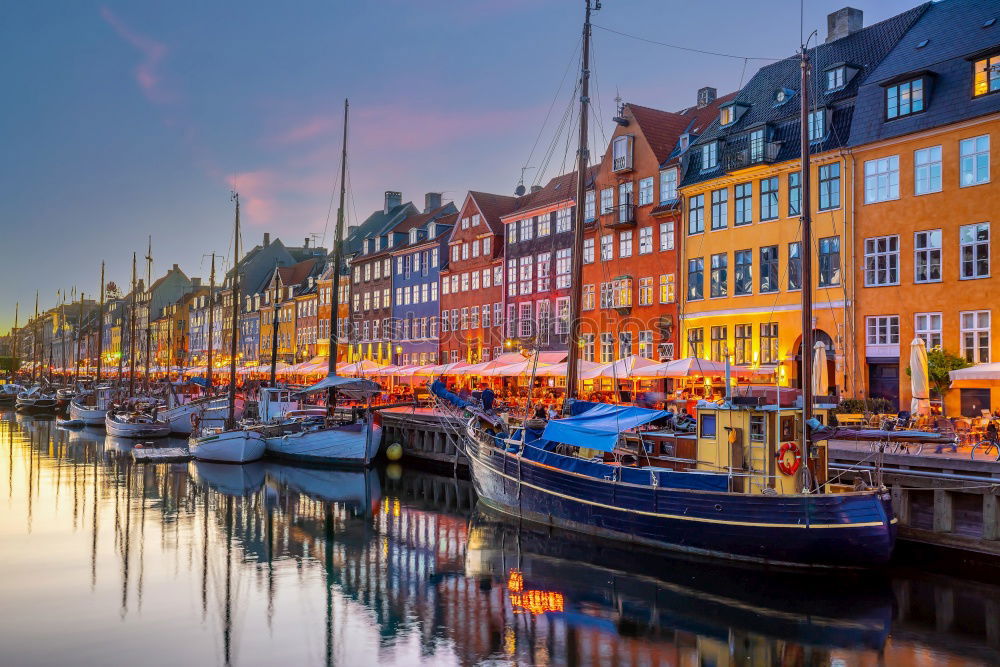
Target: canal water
105,562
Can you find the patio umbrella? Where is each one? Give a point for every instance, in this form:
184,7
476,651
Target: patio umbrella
692,367
625,368
920,403
979,376
363,367
820,375
559,370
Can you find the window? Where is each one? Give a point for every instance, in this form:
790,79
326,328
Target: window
726,115
709,156
768,269
744,203
696,214
525,320
928,327
665,352
646,191
667,294
666,236
588,212
646,344
607,247
543,269
607,348
621,293
645,240
829,186
465,280
976,336
836,78
975,160
975,253
498,275
987,76
668,185
465,223
903,99
927,170
588,251
696,342
927,256
511,318
544,225
562,315
719,278
588,346
625,244
475,247
794,265
486,251
465,252
696,278
564,262
645,291
882,330
527,229
526,274
487,278
756,146
744,272
829,261
817,124
475,281
588,302
606,296
625,202
607,200
544,326
795,193
744,344
621,149
511,236
473,318
769,198
454,283
624,344
882,179
769,343
720,208
882,261
720,349
564,220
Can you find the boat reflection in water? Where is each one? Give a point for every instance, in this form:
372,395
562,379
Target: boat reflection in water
227,479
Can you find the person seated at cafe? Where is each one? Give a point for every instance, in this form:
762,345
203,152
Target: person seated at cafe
488,397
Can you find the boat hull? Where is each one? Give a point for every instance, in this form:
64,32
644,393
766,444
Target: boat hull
91,416
850,530
337,446
241,446
211,414
121,429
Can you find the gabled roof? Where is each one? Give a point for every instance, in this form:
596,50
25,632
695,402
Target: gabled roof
447,223
492,207
296,274
421,219
159,281
660,128
560,188
376,224
954,31
699,119
863,50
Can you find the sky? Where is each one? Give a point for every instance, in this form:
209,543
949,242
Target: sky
125,119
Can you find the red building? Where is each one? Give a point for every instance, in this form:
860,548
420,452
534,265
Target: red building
472,282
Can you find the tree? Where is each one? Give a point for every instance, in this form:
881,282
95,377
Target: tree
939,362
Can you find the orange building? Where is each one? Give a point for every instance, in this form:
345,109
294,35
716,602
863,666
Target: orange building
325,285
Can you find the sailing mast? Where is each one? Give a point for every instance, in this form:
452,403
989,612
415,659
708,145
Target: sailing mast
231,419
35,349
100,329
16,334
805,350
131,335
79,336
211,321
338,256
62,331
274,331
149,304
583,158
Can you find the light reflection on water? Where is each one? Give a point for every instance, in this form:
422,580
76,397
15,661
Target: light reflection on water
106,562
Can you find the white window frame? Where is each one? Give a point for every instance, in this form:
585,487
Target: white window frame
646,191
971,159
973,244
927,170
926,254
645,240
666,236
924,328
882,179
882,330
970,323
668,185
882,261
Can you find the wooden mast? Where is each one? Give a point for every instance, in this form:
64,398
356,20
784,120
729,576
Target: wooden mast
149,304
131,335
274,332
100,328
805,350
211,322
338,258
583,158
79,336
16,335
35,348
231,419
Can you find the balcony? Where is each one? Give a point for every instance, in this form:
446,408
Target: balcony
622,163
765,153
620,217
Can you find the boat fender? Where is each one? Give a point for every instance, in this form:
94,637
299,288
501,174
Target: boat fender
789,458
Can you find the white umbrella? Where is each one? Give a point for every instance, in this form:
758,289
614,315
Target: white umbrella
979,376
623,369
920,404
820,376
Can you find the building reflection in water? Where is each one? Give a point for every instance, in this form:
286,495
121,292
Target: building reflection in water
247,564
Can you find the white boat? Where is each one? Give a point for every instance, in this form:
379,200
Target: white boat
91,407
210,412
135,425
234,446
348,444
9,392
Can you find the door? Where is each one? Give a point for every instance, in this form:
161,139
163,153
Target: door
883,382
974,401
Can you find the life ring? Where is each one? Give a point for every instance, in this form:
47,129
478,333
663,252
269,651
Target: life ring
195,420
784,465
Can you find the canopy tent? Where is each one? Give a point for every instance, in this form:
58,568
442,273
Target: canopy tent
920,390
559,370
454,368
599,427
360,368
692,367
625,368
979,376
356,388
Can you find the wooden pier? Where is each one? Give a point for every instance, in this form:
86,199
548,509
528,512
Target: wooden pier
425,434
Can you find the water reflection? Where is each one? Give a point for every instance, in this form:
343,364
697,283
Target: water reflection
215,564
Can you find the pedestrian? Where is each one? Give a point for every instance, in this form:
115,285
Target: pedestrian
488,397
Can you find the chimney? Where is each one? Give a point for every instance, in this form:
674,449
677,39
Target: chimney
176,268
392,200
432,200
306,241
196,283
267,239
844,22
536,188
706,96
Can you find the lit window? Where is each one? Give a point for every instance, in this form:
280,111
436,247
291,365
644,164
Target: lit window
645,291
726,115
882,261
544,225
987,76
743,337
769,343
667,294
720,346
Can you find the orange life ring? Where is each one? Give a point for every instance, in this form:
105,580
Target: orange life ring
195,420
784,465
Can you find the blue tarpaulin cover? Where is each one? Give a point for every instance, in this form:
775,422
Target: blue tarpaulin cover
598,427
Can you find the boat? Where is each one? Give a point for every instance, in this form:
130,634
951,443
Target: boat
135,420
9,392
232,442
753,487
91,407
211,411
36,400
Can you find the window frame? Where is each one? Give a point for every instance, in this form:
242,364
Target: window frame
976,330
913,99
881,179
973,156
924,254
974,244
879,261
720,209
771,196
719,276
743,270
927,165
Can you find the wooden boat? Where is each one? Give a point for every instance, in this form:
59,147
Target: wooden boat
209,411
241,445
92,407
9,392
135,420
36,400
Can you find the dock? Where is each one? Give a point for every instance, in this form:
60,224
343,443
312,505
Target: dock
161,455
424,433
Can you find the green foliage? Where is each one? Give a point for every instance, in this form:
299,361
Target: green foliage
9,364
863,405
939,362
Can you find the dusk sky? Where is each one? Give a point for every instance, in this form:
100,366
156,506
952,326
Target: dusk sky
123,119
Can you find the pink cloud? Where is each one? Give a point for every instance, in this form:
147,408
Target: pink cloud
147,72
311,128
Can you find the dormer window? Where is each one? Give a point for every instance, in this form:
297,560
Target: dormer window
368,244
685,141
987,75
817,124
413,235
726,115
904,98
622,153
782,95
836,78
389,240
709,156
431,230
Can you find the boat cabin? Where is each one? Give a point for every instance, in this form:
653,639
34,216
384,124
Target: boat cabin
274,403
